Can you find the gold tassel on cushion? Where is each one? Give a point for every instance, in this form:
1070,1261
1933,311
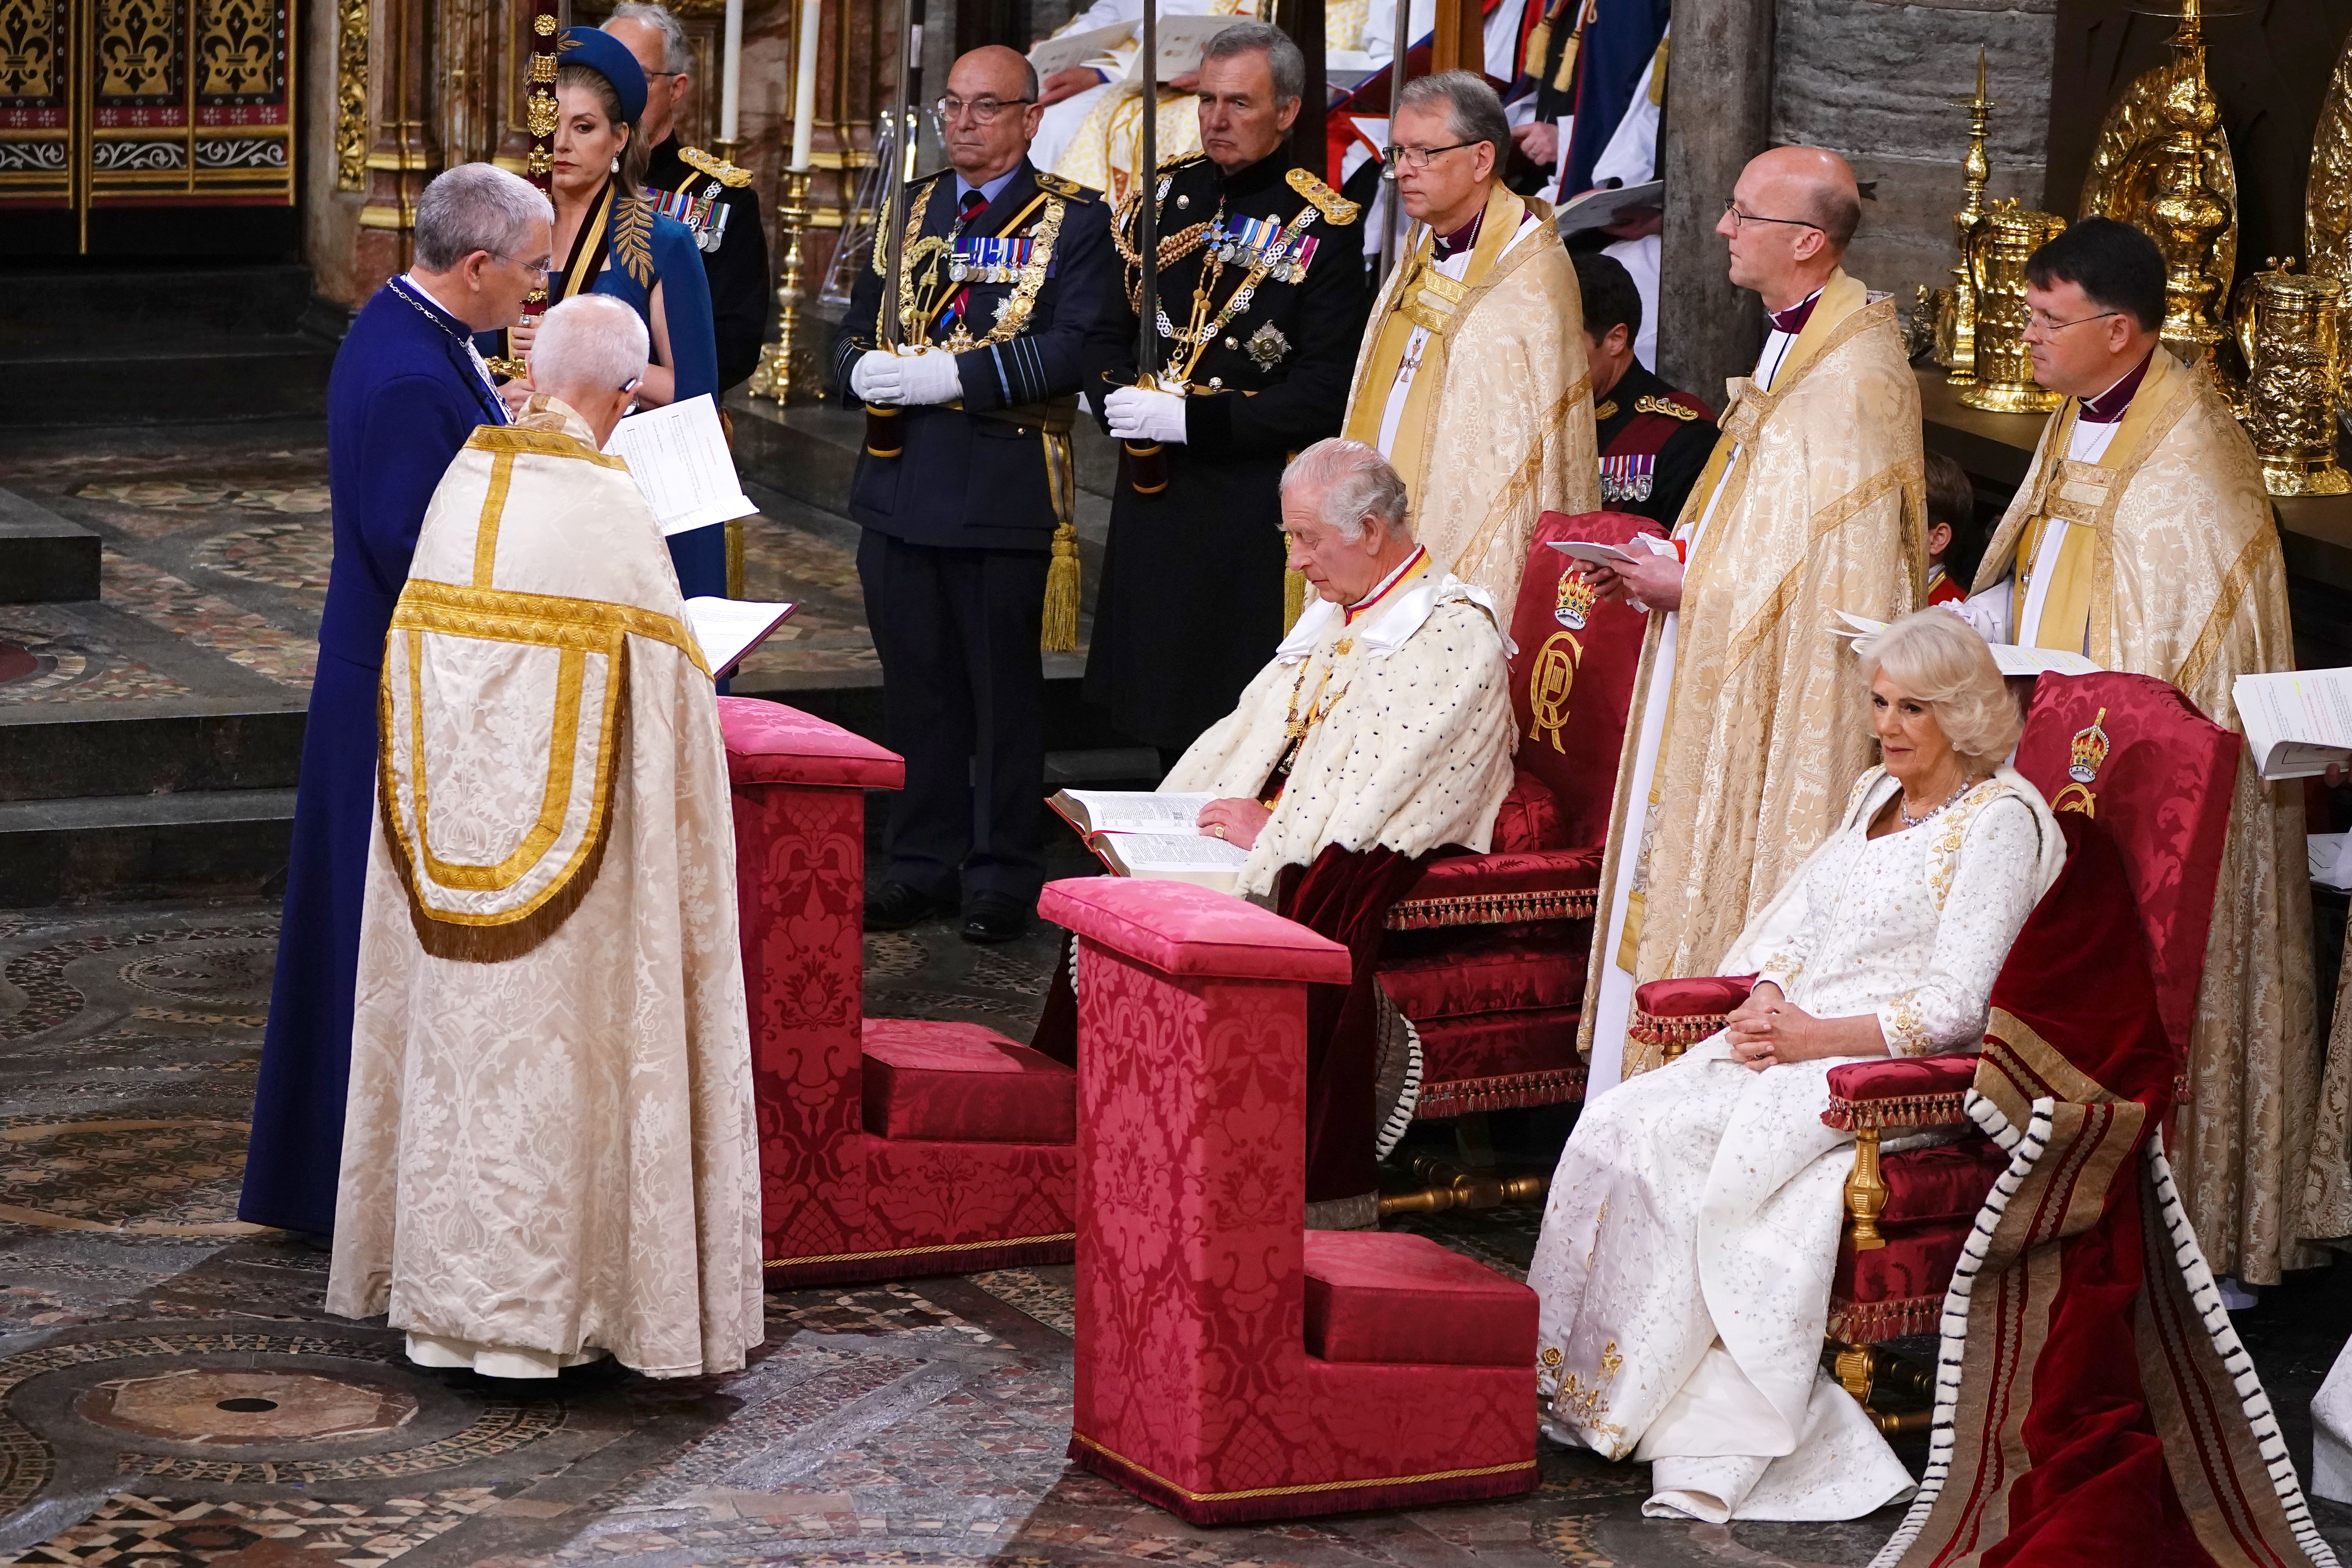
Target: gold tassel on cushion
1061,627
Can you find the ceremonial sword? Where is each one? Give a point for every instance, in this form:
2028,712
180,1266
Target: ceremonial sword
1147,465
883,437
1392,219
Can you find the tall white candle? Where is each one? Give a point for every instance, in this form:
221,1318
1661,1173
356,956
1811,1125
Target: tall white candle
805,87
730,73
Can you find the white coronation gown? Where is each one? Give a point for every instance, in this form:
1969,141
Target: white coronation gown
1693,1223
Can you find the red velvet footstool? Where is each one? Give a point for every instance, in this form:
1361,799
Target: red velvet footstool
889,1148
1197,1388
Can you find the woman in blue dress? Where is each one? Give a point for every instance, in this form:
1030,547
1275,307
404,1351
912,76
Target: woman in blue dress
613,240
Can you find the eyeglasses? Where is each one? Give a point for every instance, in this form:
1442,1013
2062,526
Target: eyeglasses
666,73
1731,205
2040,322
539,269
1417,158
984,111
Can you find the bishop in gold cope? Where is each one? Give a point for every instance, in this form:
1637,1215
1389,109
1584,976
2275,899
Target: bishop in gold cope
2142,537
1745,734
1472,380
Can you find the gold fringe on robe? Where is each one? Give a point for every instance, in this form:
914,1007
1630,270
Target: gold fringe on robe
1822,510
1497,425
2180,577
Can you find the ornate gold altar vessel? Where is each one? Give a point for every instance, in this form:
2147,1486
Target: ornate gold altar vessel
1956,322
2290,329
2006,236
2162,162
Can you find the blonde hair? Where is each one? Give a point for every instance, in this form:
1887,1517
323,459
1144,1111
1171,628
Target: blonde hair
1940,660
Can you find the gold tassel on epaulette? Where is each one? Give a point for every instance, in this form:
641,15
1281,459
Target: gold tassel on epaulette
1060,633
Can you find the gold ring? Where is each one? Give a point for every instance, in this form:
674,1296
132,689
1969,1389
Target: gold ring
1218,828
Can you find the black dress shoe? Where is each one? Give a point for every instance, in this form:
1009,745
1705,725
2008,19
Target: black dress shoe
995,918
897,906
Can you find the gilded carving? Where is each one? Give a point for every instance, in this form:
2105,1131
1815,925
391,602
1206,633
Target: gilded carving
351,95
135,46
28,49
2328,203
2131,160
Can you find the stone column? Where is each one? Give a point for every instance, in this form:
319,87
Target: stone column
1718,115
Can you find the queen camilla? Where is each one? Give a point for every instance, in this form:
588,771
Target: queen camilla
1693,1223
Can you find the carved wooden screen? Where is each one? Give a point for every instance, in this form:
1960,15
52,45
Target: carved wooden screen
117,104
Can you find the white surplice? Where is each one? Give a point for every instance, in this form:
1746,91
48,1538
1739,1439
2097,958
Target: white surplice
2331,1433
1688,1241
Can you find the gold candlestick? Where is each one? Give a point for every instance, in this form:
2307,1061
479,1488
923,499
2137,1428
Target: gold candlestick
1957,351
774,379
2185,218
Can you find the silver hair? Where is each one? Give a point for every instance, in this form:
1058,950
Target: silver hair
675,54
1940,660
476,206
1472,109
1352,482
1282,56
590,343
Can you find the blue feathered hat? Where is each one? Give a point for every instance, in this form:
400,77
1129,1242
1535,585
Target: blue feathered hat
610,58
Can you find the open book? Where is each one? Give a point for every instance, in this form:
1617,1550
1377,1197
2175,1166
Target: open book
2010,658
1181,39
1141,832
1064,50
729,628
2297,721
678,457
1613,204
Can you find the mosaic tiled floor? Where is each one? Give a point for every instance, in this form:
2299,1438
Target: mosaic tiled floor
171,1393
217,546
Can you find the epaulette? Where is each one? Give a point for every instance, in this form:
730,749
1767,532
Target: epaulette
1335,207
1065,188
1182,160
1672,410
717,168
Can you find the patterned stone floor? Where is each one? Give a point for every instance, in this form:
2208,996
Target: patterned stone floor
216,545
171,1393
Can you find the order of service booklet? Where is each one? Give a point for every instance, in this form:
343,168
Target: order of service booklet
2296,721
1145,834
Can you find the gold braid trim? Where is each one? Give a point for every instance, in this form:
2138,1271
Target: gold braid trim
540,444
1657,1030
2225,606
633,238
538,620
1939,1110
1492,909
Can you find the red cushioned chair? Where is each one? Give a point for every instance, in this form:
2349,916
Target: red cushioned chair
1486,952
887,1147
1232,1365
2137,755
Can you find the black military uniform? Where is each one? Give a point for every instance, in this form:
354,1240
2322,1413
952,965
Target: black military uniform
715,199
1263,271
1654,441
960,524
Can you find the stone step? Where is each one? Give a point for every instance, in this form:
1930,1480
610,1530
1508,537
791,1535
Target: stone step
44,559
208,843
193,380
53,309
51,752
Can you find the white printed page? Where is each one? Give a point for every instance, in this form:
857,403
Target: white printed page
2297,721
679,457
1140,811
1146,853
729,628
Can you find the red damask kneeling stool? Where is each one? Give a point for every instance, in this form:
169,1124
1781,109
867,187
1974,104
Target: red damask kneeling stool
1230,1365
887,1147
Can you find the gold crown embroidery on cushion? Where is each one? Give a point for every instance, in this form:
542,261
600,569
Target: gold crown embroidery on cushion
2089,755
1576,600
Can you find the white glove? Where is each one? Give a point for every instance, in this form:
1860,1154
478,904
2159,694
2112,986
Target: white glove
1143,413
930,377
875,378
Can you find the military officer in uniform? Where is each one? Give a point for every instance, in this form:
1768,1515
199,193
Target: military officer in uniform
1004,271
1262,309
709,195
1654,438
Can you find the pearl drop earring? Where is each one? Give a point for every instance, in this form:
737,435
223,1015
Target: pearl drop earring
616,166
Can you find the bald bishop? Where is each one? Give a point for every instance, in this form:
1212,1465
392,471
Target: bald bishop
1745,732
1472,380
550,1149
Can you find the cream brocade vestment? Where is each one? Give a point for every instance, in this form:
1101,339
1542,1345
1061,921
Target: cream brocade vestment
2170,566
550,1145
1496,423
1747,721
1691,1228
1413,746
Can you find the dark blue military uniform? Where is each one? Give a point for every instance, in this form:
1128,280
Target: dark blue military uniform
715,199
960,524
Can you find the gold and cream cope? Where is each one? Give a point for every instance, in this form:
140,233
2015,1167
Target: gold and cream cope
1263,249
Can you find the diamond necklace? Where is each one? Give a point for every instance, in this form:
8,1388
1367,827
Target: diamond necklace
1902,807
